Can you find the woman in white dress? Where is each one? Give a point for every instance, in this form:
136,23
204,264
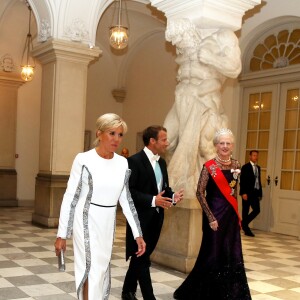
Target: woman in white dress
98,180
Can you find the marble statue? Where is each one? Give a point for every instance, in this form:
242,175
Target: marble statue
205,58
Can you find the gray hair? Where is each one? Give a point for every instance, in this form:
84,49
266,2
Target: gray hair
109,121
222,132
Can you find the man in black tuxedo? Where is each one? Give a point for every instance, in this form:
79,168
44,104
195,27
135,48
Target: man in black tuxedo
150,191
251,191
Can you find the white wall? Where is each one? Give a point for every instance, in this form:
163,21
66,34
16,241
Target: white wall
101,82
13,31
27,143
230,102
151,81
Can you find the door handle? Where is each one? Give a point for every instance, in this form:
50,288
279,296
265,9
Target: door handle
268,180
276,180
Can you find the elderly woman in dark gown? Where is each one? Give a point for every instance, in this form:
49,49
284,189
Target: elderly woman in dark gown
219,271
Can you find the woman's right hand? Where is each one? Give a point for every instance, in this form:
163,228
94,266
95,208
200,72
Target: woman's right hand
245,197
59,245
214,225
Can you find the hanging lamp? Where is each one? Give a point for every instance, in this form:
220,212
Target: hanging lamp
119,33
27,62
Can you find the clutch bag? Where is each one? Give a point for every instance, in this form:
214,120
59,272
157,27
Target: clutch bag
61,261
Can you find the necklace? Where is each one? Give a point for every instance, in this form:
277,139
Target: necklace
223,160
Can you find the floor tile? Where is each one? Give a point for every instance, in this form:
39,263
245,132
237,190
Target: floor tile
28,266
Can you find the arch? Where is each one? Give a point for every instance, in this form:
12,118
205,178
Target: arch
134,48
15,32
44,15
101,9
260,33
5,5
59,17
121,76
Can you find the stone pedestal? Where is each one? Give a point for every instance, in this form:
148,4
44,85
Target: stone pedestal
62,128
50,189
8,188
180,239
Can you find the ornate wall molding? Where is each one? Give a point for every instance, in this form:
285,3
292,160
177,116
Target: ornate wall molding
77,30
45,31
274,27
278,48
7,63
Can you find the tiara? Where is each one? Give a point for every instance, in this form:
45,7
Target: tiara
223,131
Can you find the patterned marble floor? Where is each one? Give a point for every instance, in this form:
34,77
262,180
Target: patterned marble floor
28,266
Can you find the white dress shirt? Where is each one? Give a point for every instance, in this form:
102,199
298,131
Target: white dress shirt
153,158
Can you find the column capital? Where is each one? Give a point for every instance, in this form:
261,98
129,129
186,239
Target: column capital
11,79
119,94
55,49
207,13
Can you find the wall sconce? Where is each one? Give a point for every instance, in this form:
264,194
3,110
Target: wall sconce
27,62
119,33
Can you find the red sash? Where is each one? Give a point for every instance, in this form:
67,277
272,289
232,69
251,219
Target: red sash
222,184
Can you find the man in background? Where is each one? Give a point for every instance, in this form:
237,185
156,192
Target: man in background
125,152
250,191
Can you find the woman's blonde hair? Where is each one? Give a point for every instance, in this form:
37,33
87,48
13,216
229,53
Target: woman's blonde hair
109,121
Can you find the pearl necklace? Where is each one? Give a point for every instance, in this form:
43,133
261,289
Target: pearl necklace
223,160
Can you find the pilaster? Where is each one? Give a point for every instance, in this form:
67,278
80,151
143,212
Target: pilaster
9,84
62,122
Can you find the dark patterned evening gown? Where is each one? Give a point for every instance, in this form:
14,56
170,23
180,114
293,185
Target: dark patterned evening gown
219,271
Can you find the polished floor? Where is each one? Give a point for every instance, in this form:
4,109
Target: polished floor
28,266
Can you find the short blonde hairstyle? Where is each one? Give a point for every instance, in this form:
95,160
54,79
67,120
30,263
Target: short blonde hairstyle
109,121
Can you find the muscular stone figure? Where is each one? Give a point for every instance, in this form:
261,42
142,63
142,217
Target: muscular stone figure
205,58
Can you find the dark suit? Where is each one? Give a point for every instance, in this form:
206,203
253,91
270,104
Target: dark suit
247,184
143,187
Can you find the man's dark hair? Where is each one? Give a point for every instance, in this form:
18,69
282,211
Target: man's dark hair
254,151
152,132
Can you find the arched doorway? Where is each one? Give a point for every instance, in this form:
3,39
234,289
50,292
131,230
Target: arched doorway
271,110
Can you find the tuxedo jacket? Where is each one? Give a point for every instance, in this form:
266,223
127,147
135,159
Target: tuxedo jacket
143,186
247,181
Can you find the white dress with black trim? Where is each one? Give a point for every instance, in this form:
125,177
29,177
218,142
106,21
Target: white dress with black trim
88,211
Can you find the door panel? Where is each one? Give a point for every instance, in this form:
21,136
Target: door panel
258,132
272,126
286,194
